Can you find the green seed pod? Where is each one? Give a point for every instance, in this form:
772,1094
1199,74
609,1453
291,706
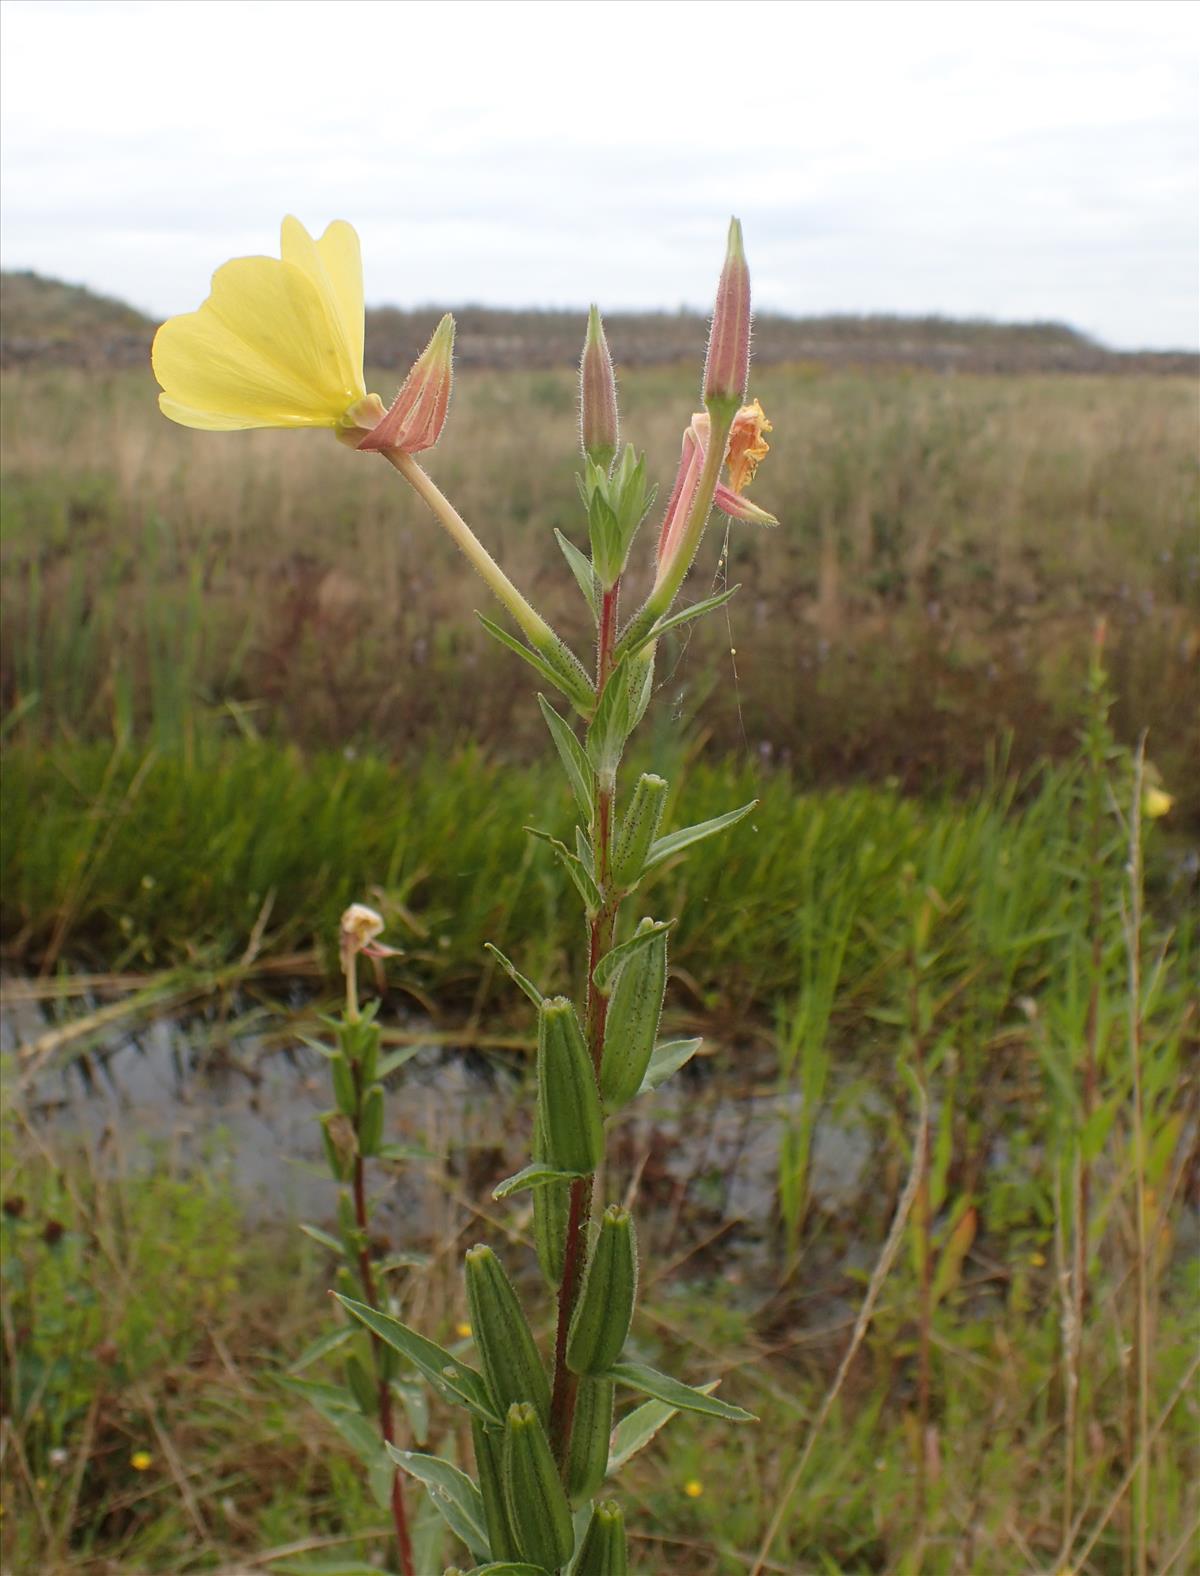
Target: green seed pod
537,1505
489,1463
572,1124
591,1431
603,1551
370,1123
507,1353
551,1213
344,1090
632,1023
639,829
604,1311
341,1144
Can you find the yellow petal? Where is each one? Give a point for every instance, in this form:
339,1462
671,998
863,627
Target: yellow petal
334,265
260,352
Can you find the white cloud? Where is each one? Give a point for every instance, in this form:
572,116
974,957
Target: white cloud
995,159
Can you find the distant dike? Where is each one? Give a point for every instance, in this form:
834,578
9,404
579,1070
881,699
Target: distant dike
44,322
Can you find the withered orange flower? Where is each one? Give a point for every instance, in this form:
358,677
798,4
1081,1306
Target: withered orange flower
747,446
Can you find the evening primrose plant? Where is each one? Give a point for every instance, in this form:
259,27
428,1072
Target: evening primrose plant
279,342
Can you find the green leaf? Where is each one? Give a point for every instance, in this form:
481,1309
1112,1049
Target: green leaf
606,970
403,1152
394,1060
537,1174
325,1238
634,1432
574,759
458,1501
585,575
330,1566
508,1568
453,1380
575,868
663,1388
573,692
611,724
684,616
321,1348
663,847
339,1408
666,1059
515,974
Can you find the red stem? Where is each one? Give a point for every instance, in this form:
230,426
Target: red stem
386,1420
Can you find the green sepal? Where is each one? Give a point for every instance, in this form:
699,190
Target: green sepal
674,842
585,575
573,757
537,1504
452,1493
606,971
489,1463
639,829
452,1379
508,1354
604,1310
631,1025
370,1125
563,669
675,1393
571,1121
344,1090
515,974
575,868
604,1551
591,1432
537,1174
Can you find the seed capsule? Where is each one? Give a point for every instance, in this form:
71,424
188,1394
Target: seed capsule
603,1552
537,1505
639,829
591,1431
489,1463
370,1126
572,1124
551,1213
507,1353
604,1311
632,1023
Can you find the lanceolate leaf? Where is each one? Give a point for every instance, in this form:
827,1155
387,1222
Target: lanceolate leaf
663,1388
578,692
574,758
582,570
684,616
575,868
453,1379
321,1348
606,970
663,847
458,1501
537,1174
515,975
612,723
339,1408
666,1059
634,1432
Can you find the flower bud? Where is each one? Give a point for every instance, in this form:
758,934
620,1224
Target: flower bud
603,1551
727,367
604,1312
537,1505
572,1124
639,829
418,413
598,419
591,1433
632,1022
489,1464
508,1356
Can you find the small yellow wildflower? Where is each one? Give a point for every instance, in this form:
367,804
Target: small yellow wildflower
693,1488
1156,802
1037,1260
141,1461
747,446
463,1329
278,342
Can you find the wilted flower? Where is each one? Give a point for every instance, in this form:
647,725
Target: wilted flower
748,426
747,446
359,927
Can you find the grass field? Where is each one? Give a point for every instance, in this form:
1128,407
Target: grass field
243,685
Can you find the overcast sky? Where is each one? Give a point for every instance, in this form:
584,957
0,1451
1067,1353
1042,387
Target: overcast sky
1015,160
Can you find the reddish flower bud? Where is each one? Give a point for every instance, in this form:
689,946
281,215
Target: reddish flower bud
598,419
727,367
418,413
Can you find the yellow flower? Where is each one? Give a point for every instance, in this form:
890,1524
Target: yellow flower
462,1328
747,446
141,1461
278,342
1156,802
693,1488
